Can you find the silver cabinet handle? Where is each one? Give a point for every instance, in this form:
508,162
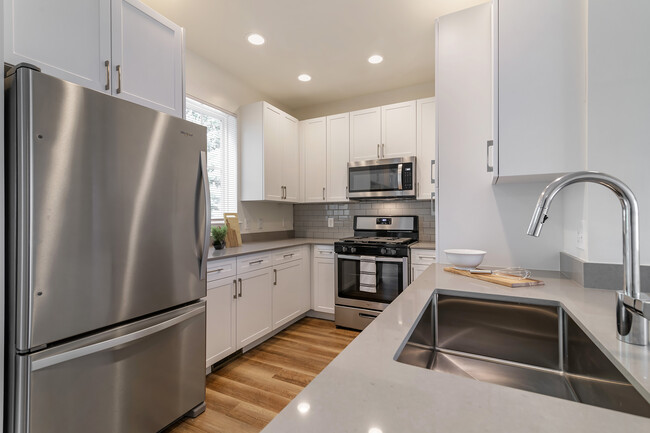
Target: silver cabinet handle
412,274
234,283
275,277
288,255
347,193
433,171
417,188
206,236
118,68
427,257
240,286
218,270
378,151
256,262
433,196
367,316
108,75
323,193
490,156
383,150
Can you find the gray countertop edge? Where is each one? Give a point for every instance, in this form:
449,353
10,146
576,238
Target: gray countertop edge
424,246
258,247
364,387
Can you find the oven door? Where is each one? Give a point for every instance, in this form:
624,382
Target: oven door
391,279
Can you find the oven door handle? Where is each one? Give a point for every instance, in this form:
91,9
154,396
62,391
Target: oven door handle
377,259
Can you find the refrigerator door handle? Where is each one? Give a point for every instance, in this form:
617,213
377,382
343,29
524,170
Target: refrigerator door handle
113,342
208,215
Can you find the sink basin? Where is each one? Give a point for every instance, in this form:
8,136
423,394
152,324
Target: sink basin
527,345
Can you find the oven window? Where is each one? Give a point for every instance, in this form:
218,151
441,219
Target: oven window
375,178
389,281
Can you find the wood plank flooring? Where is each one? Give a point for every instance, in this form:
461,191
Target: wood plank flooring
245,394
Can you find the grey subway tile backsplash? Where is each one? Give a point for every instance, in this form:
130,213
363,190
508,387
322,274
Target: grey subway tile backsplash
310,219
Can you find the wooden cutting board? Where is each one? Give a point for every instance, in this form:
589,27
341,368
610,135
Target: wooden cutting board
233,235
497,279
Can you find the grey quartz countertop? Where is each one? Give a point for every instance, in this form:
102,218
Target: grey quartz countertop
424,245
365,388
257,247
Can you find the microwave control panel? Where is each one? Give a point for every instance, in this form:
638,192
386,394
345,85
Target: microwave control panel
407,176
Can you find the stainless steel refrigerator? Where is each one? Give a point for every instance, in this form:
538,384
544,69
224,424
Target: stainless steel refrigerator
107,235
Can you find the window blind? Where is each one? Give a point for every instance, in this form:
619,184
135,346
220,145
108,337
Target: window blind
222,155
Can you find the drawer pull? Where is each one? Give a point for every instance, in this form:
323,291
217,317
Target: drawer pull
427,257
256,262
275,277
288,255
218,270
234,283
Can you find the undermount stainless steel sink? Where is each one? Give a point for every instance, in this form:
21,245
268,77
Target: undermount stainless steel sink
536,347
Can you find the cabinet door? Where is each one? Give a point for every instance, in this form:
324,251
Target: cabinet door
290,167
338,156
398,130
323,285
417,270
221,320
314,145
273,153
365,134
147,57
426,141
254,299
71,41
289,290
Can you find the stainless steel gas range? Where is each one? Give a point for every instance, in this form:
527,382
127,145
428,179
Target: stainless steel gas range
372,268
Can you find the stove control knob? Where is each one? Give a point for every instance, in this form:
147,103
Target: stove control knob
393,251
383,250
353,250
344,249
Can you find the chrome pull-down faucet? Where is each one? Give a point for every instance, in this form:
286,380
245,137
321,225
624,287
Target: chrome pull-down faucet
633,307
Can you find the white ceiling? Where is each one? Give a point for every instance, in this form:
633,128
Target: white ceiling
330,40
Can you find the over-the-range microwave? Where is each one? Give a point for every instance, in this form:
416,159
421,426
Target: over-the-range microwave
382,178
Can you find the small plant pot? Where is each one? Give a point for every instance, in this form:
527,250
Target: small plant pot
219,245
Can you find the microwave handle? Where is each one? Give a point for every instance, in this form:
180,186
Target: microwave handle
399,176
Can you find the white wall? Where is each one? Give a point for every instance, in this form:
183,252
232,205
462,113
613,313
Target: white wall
211,84
423,90
618,139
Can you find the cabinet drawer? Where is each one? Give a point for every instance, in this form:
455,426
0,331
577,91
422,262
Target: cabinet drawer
221,269
252,262
324,251
423,257
287,255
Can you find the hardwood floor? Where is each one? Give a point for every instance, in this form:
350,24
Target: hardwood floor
245,394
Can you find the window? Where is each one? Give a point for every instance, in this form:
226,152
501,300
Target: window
222,155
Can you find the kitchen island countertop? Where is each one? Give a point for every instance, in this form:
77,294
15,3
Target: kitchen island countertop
365,388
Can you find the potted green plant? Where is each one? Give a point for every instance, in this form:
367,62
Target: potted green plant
218,237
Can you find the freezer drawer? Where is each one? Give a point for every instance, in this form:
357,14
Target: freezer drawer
136,378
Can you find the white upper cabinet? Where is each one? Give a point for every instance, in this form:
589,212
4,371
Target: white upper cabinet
540,88
84,42
71,42
383,132
426,145
290,158
398,126
314,150
338,156
270,154
147,55
365,134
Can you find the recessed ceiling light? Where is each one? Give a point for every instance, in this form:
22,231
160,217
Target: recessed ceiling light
256,39
375,59
304,77
303,407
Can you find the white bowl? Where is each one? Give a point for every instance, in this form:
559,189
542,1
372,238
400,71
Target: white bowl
465,259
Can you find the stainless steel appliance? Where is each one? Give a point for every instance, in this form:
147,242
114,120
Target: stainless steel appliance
372,268
108,221
382,178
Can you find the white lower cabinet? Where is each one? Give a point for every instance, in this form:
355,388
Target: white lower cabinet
290,284
254,297
322,283
421,259
221,320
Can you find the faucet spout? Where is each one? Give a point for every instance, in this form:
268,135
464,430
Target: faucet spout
631,296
